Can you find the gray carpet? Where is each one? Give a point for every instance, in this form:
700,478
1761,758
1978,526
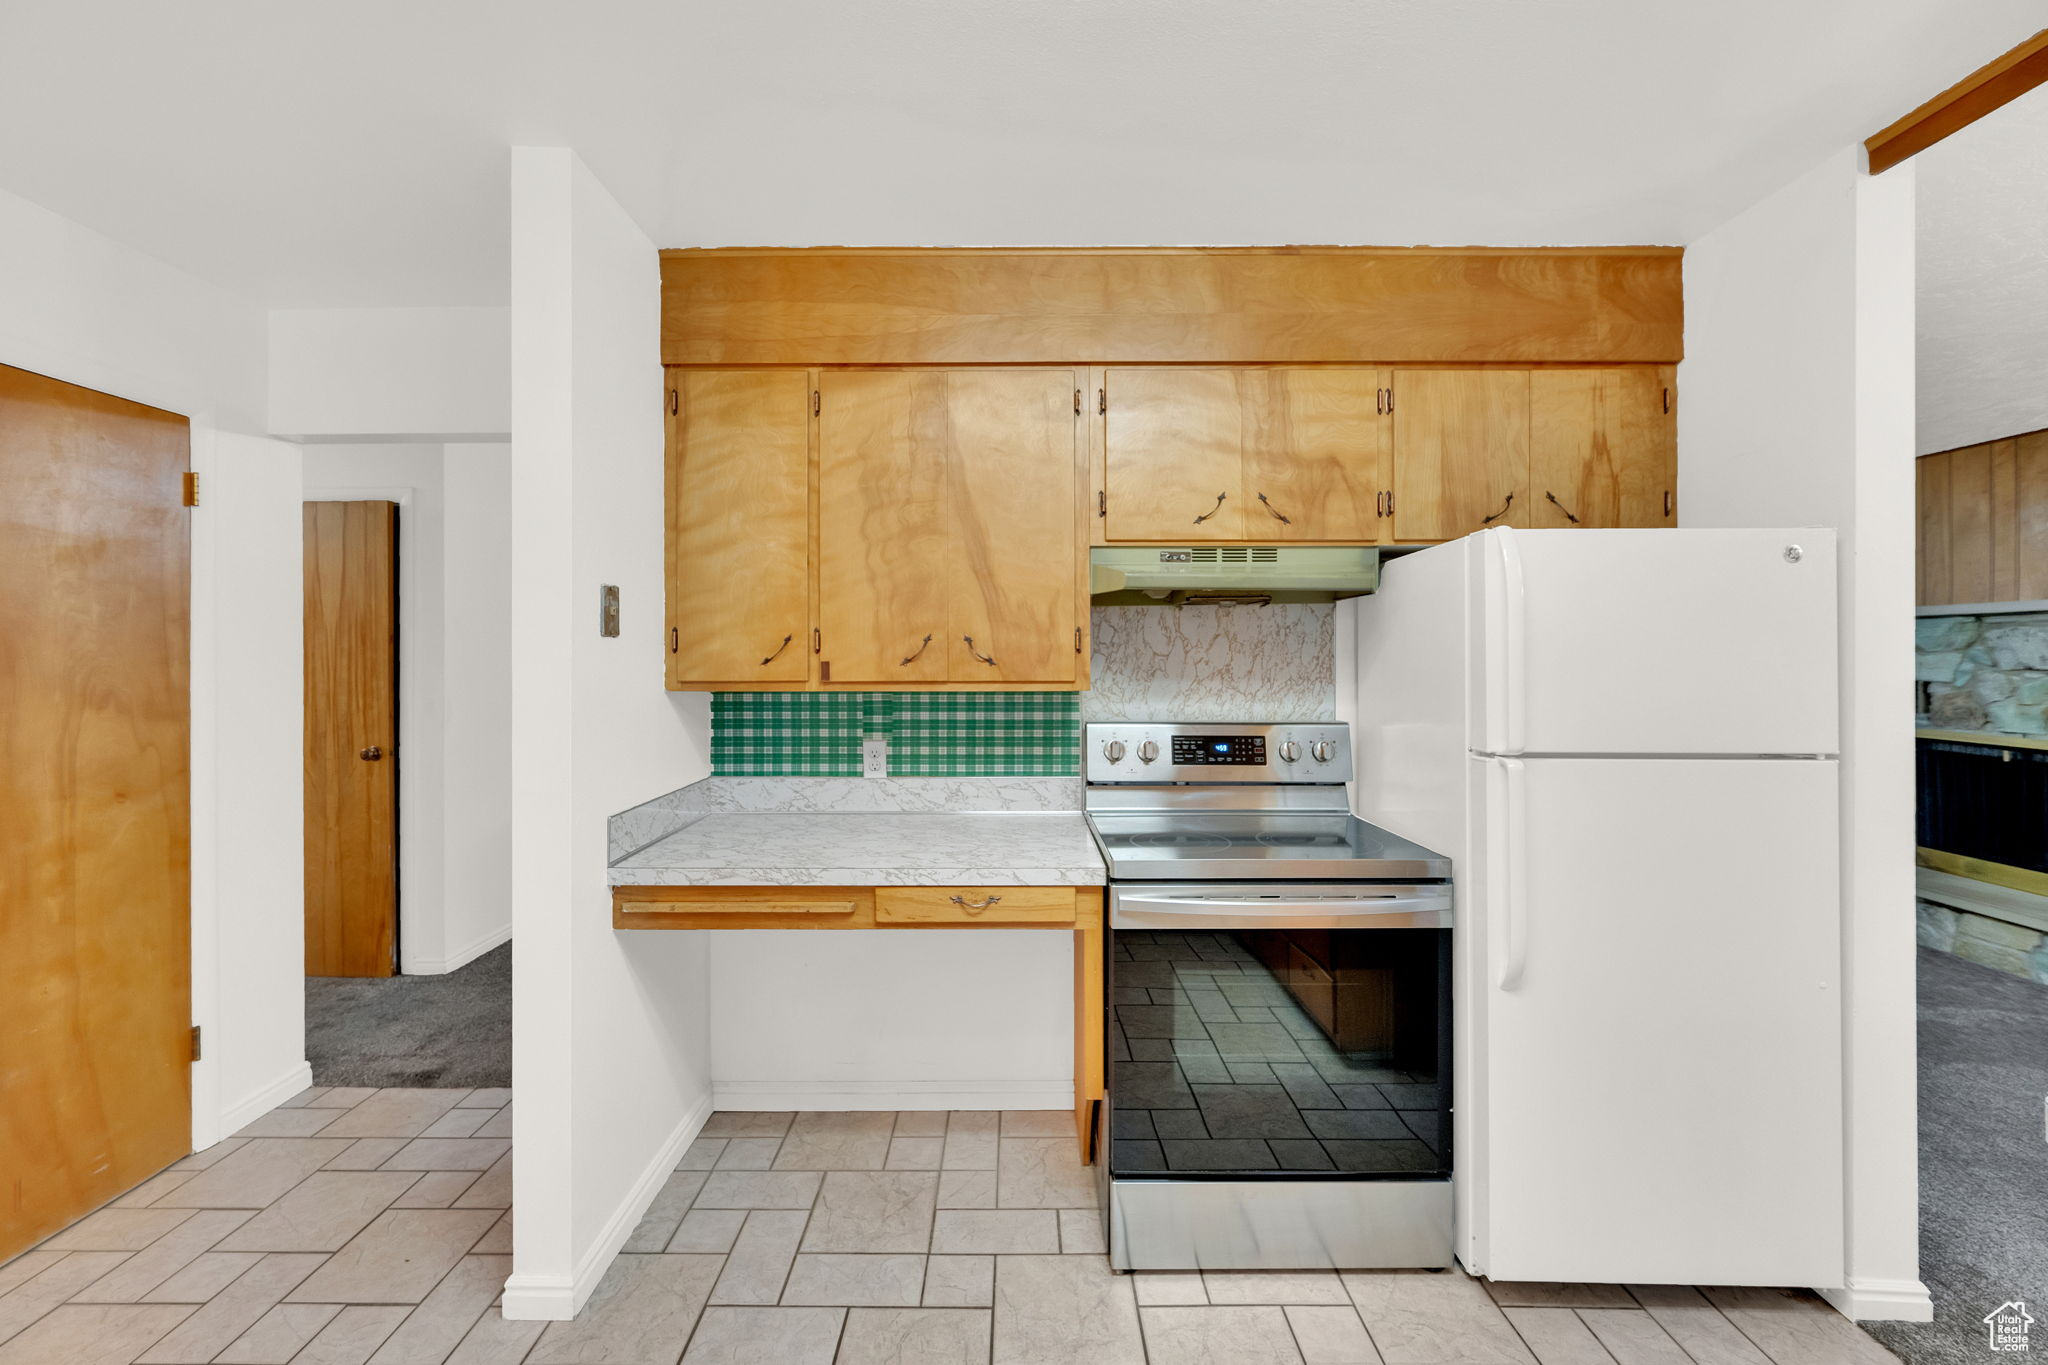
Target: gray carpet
1983,1161
452,1030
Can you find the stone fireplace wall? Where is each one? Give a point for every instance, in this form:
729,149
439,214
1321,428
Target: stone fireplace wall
1986,673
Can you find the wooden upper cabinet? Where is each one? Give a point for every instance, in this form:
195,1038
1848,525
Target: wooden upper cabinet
1173,455
883,541
1312,453
948,527
739,526
1603,448
1013,474
1261,454
1461,452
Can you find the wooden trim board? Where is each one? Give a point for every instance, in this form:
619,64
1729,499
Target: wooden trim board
1176,305
1990,87
1984,870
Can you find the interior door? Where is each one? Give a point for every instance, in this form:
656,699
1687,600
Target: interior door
351,570
1173,454
1013,472
1662,1094
739,526
883,445
1312,454
95,791
1603,448
1461,452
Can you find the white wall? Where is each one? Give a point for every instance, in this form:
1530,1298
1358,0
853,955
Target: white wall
1797,409
86,309
358,374
610,1029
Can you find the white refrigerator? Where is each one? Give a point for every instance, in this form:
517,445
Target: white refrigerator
1627,743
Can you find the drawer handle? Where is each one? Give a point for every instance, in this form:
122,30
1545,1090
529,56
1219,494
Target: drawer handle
1488,521
1285,519
977,653
778,651
974,907
911,658
1212,511
1561,507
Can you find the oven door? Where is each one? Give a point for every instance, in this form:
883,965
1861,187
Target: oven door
1279,1031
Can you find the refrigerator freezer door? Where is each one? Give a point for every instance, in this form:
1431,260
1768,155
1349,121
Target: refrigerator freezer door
1661,1094
1654,642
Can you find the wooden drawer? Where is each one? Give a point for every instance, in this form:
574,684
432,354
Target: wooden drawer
914,905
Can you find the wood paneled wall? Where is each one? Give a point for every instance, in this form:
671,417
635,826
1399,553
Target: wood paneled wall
1983,522
1240,305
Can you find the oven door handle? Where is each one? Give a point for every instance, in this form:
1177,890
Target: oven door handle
1407,909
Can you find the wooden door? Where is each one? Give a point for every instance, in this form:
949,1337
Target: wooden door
1312,454
1603,448
1173,455
351,570
882,540
95,793
739,527
1013,468
1461,452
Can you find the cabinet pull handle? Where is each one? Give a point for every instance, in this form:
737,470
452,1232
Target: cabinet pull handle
912,656
976,906
1561,507
675,640
1213,510
1284,519
1488,521
778,650
977,653
1667,502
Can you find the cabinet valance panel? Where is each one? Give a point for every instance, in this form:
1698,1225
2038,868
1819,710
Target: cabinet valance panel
1212,306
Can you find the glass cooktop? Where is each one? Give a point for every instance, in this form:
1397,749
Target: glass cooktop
1254,845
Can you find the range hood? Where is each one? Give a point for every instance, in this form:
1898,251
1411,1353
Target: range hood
1197,575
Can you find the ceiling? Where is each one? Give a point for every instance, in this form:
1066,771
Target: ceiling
1983,279
329,155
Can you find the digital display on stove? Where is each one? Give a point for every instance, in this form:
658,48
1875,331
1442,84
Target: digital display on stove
1239,750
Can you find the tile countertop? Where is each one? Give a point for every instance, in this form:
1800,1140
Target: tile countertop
870,848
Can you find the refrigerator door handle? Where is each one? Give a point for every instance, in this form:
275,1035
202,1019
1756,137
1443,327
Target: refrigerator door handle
1514,642
1512,899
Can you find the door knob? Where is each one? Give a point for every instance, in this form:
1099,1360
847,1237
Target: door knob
372,754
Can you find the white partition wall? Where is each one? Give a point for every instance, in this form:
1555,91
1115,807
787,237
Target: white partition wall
1796,408
609,1030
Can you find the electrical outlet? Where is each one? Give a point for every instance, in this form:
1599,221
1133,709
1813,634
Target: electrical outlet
874,758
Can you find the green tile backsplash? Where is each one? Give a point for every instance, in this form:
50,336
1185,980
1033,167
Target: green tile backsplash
930,734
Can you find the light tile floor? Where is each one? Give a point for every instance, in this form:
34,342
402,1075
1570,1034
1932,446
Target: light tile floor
358,1227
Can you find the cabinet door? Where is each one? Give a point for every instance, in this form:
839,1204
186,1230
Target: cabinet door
882,543
1014,483
739,526
1312,454
1461,452
1173,455
1603,448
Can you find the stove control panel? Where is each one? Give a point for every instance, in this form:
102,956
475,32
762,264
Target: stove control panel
1213,752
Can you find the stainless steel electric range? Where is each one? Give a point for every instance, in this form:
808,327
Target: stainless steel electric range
1279,982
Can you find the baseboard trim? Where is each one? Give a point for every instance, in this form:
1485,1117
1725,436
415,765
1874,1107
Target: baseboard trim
461,957
557,1298
1882,1301
247,1111
851,1095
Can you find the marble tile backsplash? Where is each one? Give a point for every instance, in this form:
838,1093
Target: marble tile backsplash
1213,663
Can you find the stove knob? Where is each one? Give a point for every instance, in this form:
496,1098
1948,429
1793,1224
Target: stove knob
1148,751
1323,750
1114,751
1289,751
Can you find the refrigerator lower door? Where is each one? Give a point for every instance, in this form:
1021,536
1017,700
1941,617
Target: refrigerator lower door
1658,961
1653,642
